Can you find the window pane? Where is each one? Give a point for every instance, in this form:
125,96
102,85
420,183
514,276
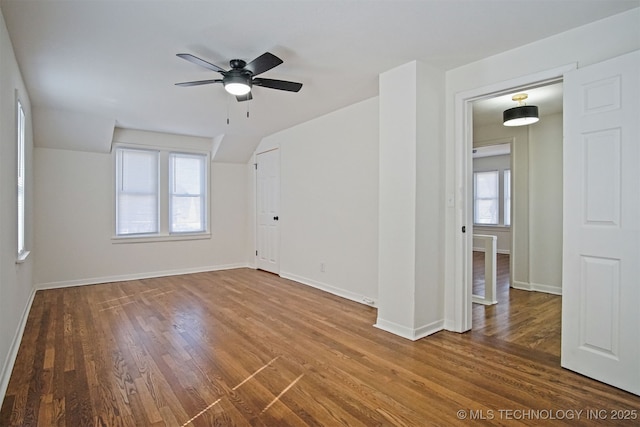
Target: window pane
187,175
137,191
137,213
486,197
139,171
487,185
187,193
21,183
486,212
186,214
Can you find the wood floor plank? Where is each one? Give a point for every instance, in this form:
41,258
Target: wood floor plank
248,348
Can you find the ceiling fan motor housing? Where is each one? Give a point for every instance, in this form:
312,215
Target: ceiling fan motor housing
237,64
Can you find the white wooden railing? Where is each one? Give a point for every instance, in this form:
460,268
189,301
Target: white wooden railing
490,251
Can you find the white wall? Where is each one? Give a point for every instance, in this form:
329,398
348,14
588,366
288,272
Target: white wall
545,204
74,225
329,201
411,182
16,286
397,205
585,45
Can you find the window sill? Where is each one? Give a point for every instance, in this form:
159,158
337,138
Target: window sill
160,238
22,257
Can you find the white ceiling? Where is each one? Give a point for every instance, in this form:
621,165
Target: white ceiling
116,59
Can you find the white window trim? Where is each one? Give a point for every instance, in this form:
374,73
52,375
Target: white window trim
21,118
506,180
163,235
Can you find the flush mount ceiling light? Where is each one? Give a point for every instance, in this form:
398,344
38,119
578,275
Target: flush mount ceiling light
522,114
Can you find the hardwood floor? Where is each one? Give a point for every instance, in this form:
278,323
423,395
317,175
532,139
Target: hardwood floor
244,347
530,319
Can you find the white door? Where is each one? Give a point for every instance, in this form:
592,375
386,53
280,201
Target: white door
268,207
601,249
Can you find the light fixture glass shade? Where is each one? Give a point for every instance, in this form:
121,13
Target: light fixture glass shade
237,85
520,116
237,88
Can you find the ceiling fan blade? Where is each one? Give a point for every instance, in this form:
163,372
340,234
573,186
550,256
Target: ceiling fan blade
246,97
201,62
198,83
263,63
278,84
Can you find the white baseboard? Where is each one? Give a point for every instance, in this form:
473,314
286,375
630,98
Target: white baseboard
362,299
412,334
15,346
137,276
537,287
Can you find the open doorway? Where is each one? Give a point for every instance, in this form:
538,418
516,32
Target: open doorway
525,164
491,219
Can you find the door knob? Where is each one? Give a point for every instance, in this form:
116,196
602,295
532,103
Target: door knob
275,218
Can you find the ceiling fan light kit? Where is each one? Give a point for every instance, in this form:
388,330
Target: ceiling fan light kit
240,79
237,85
522,114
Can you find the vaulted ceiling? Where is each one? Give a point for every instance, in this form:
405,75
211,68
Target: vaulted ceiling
116,59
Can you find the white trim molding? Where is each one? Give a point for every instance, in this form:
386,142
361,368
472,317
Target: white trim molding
409,333
137,276
362,299
7,369
460,314
537,287
498,251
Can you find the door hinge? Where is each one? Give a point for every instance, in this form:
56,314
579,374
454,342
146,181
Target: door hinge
255,165
464,228
256,253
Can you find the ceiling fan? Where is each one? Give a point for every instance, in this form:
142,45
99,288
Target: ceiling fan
241,77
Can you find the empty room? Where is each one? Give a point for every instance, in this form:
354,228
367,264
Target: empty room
323,212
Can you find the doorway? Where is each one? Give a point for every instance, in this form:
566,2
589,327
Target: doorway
520,266
529,235
491,218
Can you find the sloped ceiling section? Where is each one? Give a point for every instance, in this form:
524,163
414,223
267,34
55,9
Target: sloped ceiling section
116,60
162,139
68,130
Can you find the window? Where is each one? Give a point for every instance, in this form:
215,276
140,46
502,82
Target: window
187,193
507,197
492,206
160,193
22,252
137,197
486,198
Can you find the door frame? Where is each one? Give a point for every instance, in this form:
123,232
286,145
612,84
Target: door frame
463,146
